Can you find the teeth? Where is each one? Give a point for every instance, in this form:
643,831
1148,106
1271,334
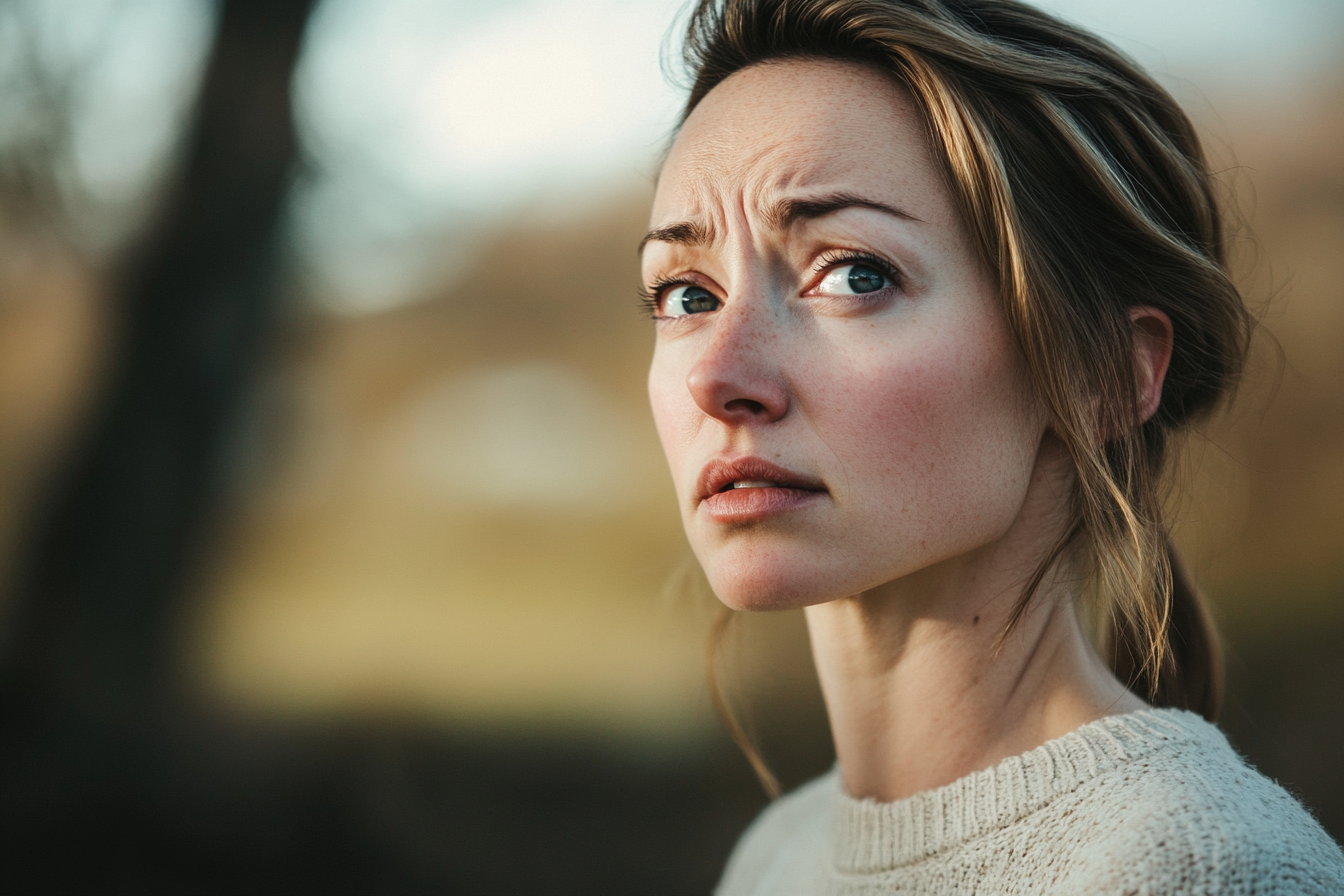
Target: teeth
755,483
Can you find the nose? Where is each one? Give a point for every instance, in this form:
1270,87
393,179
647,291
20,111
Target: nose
737,378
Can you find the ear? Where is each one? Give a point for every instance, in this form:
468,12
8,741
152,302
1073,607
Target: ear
1153,335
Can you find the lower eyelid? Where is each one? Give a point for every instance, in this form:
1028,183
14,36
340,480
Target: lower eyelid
893,283
856,302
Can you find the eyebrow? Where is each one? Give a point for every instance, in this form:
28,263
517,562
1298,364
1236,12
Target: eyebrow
686,233
788,212
783,215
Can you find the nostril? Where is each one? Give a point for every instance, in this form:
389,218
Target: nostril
750,406
736,393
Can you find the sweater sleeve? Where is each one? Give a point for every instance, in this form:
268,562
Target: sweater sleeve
1218,829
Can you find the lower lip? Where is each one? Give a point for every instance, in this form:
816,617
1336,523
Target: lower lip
742,505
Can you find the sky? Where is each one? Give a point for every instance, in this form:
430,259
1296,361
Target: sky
425,122
436,117
130,68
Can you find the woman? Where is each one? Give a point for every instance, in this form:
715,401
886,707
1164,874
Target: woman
935,283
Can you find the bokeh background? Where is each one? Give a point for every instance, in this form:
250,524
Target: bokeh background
336,545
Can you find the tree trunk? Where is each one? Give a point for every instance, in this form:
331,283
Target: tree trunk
97,592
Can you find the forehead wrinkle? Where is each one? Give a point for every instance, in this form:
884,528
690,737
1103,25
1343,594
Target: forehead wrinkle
727,183
726,195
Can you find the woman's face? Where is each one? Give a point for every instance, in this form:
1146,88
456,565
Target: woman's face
835,386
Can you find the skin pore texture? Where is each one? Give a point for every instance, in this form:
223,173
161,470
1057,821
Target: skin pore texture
851,428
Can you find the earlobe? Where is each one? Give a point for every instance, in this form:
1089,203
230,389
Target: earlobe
1153,335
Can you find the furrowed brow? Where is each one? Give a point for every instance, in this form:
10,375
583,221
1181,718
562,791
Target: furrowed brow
782,216
788,212
687,233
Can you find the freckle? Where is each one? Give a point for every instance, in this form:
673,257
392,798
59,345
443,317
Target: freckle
975,620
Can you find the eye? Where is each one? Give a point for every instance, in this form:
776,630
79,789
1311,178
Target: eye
855,278
682,300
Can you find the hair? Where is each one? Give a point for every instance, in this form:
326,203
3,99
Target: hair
1087,193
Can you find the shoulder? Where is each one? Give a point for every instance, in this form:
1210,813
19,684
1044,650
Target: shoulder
1193,814
787,839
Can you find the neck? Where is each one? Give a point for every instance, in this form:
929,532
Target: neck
921,688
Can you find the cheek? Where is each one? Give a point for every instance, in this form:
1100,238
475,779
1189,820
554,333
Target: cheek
937,438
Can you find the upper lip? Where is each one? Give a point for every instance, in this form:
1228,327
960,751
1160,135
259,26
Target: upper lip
722,472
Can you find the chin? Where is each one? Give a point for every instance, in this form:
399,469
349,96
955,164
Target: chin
750,601
754,583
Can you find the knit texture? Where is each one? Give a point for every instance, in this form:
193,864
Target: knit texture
1149,802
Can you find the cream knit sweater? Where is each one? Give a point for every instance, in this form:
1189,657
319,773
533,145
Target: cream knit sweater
1150,802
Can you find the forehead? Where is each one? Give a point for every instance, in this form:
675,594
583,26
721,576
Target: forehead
800,125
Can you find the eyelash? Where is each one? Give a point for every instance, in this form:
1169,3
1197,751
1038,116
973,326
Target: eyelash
649,298
851,256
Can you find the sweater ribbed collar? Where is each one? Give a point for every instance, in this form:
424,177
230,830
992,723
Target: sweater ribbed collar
872,836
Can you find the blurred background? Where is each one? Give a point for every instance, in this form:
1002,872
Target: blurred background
336,545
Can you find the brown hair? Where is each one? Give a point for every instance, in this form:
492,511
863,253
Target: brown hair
1087,192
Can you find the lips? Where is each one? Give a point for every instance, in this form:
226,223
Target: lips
749,488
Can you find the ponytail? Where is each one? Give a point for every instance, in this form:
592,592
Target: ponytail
1191,675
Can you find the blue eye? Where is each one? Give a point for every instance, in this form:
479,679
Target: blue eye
682,300
854,279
